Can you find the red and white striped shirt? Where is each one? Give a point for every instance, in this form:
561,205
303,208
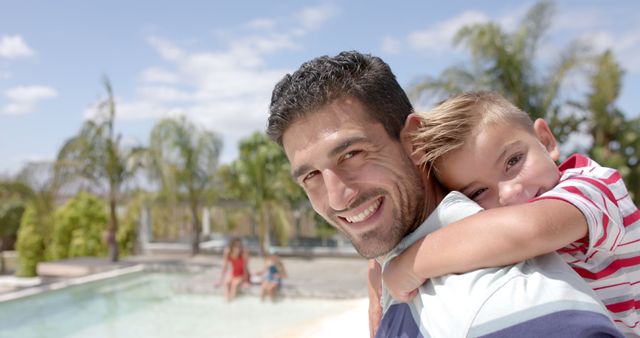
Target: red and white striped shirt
608,259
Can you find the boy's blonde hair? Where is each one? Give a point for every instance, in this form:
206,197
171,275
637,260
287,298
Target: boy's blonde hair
448,126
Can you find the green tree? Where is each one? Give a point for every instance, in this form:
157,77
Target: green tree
616,139
184,160
14,196
97,154
128,231
78,228
10,215
36,181
505,62
30,243
261,177
631,146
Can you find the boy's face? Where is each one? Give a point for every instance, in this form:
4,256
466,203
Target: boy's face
356,177
503,165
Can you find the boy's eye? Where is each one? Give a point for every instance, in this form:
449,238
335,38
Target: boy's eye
476,194
513,160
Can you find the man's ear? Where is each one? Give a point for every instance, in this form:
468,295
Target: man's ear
411,125
545,136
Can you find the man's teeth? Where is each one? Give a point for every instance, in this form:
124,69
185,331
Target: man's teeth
364,214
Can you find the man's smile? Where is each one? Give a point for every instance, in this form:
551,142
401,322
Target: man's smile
365,214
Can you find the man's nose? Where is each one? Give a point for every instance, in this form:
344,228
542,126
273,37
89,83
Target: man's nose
339,193
510,193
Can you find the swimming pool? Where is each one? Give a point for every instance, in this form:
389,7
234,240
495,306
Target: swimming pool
149,304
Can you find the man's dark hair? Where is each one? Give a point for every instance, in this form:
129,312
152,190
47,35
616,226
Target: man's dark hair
325,79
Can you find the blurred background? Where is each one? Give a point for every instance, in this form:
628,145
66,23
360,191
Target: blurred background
128,123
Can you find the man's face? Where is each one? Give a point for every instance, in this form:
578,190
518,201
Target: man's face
356,177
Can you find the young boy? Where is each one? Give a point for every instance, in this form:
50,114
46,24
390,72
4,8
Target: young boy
486,148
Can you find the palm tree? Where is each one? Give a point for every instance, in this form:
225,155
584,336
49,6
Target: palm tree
184,160
505,62
98,156
616,140
606,122
260,176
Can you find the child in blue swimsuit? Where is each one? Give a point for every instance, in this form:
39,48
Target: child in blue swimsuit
275,272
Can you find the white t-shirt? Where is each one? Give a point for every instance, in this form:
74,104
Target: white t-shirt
540,297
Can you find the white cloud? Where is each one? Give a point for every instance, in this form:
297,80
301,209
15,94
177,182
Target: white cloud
263,44
166,48
30,93
158,75
139,109
391,45
438,37
14,164
510,19
577,20
262,24
604,29
600,40
23,99
314,17
14,47
625,45
226,89
163,94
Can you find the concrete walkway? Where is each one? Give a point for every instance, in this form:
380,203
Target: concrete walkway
324,277
314,277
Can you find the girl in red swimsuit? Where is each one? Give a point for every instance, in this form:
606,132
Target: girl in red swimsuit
236,256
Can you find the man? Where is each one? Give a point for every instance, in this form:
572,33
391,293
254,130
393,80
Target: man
342,122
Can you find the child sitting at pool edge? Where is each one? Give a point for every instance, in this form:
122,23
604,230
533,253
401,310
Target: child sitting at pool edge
273,272
483,146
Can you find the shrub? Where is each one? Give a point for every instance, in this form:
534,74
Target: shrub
78,228
30,243
11,212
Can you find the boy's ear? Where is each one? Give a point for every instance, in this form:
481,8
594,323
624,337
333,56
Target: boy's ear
411,125
545,136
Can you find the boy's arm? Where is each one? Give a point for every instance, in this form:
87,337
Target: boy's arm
374,285
495,237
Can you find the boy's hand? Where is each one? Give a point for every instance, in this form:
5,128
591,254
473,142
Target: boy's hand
400,280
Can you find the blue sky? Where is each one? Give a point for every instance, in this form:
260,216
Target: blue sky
217,61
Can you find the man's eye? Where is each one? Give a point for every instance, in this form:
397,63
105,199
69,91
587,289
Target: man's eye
351,154
309,176
513,161
477,193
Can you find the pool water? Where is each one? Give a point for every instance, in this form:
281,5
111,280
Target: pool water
147,304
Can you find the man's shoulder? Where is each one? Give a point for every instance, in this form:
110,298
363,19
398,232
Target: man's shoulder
538,297
496,299
492,301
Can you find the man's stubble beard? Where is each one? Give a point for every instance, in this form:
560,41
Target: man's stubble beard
405,217
378,242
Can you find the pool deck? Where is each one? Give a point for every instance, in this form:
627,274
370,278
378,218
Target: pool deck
321,277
